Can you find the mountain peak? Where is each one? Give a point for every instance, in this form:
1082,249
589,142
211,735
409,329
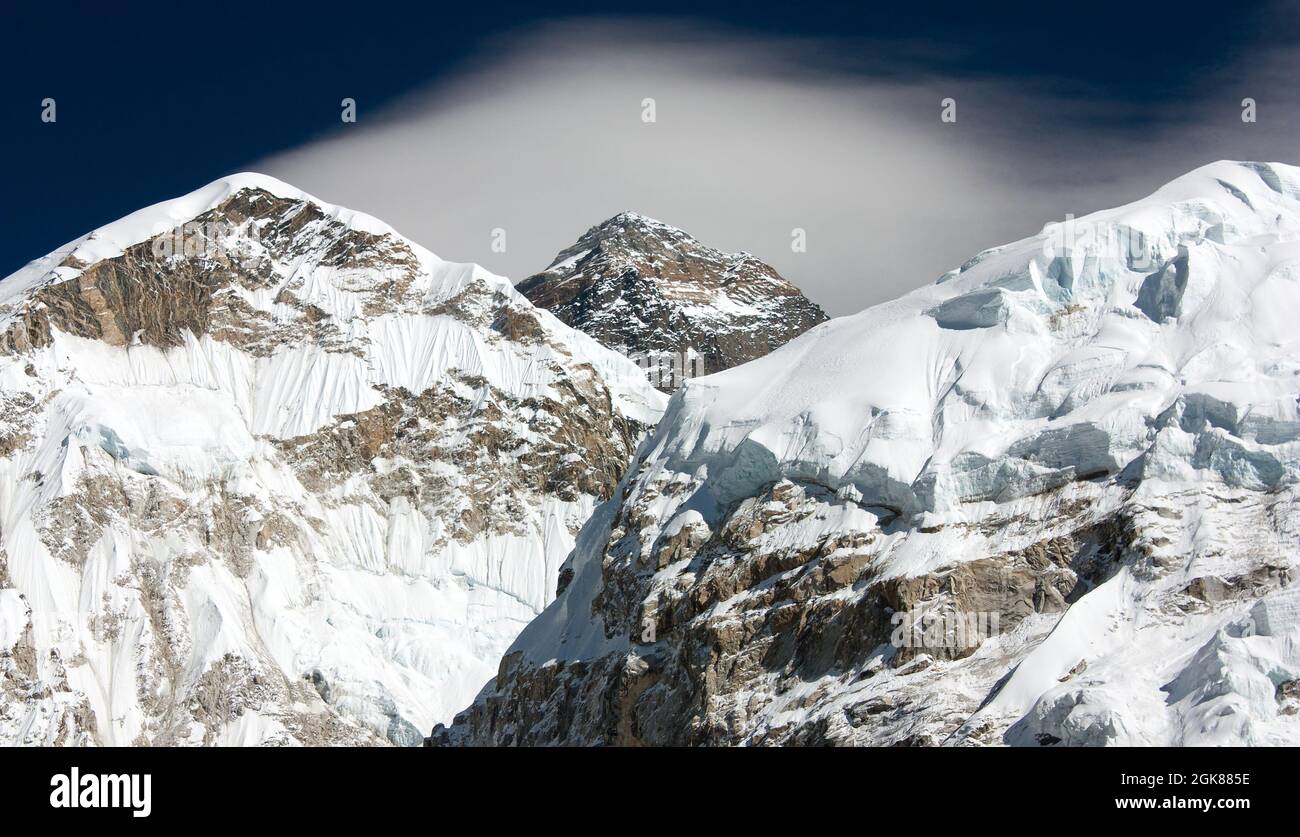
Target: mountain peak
212,202
627,217
635,234
232,183
645,286
246,401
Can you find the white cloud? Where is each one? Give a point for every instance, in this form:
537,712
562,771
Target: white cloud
544,138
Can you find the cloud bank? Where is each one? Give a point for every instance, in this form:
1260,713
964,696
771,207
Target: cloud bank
544,135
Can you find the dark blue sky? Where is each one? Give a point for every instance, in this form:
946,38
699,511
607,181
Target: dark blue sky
158,100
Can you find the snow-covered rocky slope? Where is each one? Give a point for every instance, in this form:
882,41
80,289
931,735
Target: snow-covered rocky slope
1050,499
645,287
281,476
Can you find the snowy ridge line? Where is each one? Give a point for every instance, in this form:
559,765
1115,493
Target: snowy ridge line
788,410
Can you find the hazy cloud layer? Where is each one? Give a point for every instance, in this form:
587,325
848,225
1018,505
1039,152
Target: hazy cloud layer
757,137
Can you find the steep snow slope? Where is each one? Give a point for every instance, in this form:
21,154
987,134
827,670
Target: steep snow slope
281,476
647,287
1072,461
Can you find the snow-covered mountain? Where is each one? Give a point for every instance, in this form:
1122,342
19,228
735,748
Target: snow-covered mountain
1050,499
271,473
645,287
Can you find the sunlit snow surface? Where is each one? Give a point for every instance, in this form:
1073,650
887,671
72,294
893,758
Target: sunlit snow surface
403,624
894,392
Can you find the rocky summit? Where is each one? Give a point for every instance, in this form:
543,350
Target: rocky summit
1051,499
644,287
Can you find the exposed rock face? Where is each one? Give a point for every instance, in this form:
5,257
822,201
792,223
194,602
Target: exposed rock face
281,476
153,294
642,286
1049,500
